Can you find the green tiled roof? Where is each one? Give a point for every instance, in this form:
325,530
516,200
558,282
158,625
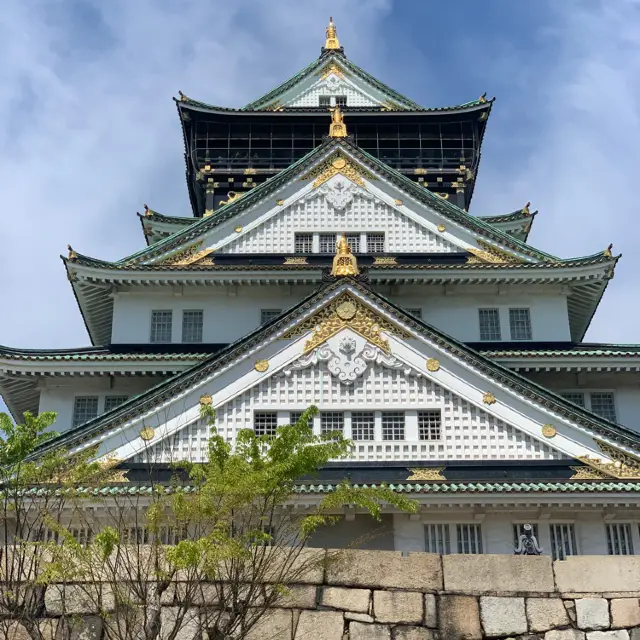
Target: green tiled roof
581,351
91,354
514,216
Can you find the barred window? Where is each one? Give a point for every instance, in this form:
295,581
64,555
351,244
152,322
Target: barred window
520,324
192,326
267,315
327,243
602,404
265,423
392,425
172,535
353,240
111,402
341,101
303,243
161,324
469,538
416,313
375,243
489,324
518,530
429,424
85,408
294,416
362,425
619,542
331,421
325,101
135,535
574,396
436,539
563,541
82,535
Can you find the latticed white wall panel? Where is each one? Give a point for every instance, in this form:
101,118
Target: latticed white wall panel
190,443
468,433
311,97
402,234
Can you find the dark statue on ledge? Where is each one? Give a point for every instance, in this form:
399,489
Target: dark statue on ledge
527,543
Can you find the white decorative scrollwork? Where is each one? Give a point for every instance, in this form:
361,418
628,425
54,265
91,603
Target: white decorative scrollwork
338,193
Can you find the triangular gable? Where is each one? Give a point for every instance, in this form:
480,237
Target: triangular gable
355,342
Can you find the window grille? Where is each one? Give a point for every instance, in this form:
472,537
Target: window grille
341,101
44,534
518,530
267,315
602,404
362,425
327,243
265,423
85,408
294,416
416,313
161,324
353,240
574,396
192,326
82,535
393,425
489,324
469,538
331,421
303,243
375,243
135,535
563,541
429,424
172,535
619,542
111,402
520,324
325,101
436,539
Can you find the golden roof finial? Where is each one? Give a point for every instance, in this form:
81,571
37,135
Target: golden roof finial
607,251
344,262
72,254
526,210
332,37
337,129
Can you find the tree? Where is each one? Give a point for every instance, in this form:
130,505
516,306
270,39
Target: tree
219,541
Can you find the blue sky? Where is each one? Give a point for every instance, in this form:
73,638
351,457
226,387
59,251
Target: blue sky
88,131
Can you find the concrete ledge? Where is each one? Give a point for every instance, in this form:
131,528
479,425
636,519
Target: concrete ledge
597,574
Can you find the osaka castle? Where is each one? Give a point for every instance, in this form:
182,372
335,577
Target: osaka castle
333,258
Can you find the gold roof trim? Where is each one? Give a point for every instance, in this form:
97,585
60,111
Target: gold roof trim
624,466
335,164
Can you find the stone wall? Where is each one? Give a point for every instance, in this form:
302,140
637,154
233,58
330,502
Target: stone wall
383,595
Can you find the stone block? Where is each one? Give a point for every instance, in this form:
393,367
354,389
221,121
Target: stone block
592,613
12,630
564,634
546,613
277,624
76,599
581,574
189,628
618,634
320,625
497,574
398,606
625,612
361,631
635,633
358,617
459,618
430,611
88,628
503,616
299,596
346,599
413,633
386,570
307,568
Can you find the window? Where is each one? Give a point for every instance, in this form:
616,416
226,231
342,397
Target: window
135,535
267,315
85,408
518,530
469,538
416,313
436,539
327,243
353,240
392,425
192,326
331,421
325,101
489,324
563,541
265,423
375,243
111,402
303,243
429,423
294,416
619,541
520,324
341,101
82,535
602,405
362,425
574,396
161,322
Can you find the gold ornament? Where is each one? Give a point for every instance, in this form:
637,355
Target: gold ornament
147,433
329,69
489,398
331,41
337,128
279,202
427,473
206,400
441,228
398,202
261,365
339,163
420,172
588,473
231,196
238,229
296,260
384,260
180,257
548,430
334,165
344,262
346,311
433,364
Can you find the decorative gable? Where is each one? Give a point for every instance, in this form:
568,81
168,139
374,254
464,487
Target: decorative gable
333,83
